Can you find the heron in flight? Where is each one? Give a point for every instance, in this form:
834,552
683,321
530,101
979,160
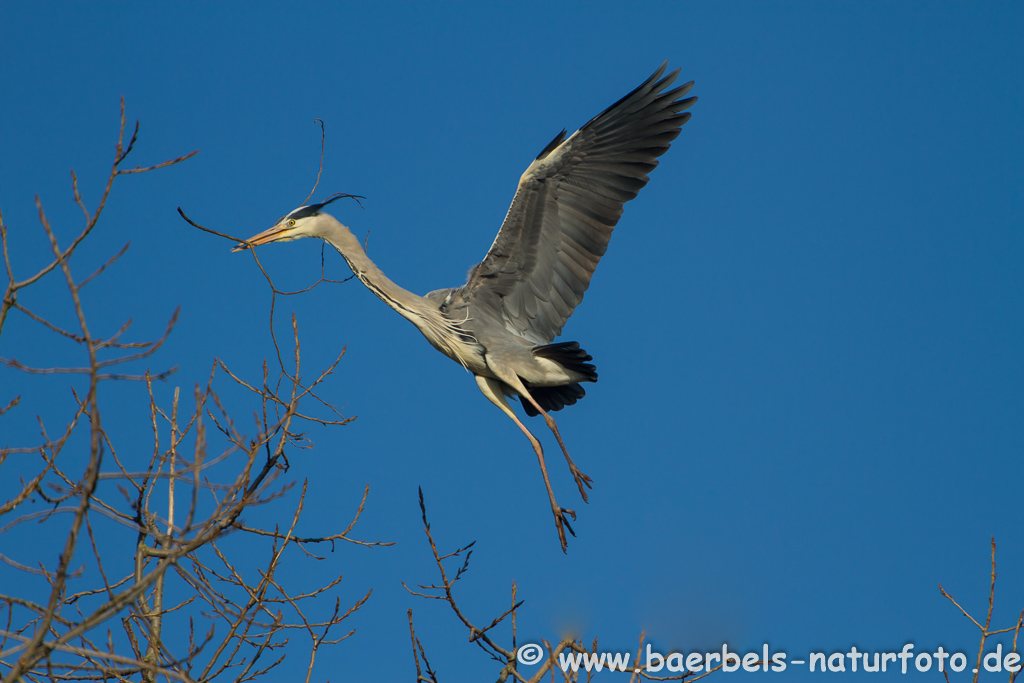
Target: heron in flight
502,323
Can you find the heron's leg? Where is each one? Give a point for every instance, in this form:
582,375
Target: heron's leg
581,479
491,388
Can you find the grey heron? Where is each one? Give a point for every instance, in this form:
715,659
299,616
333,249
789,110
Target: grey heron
502,323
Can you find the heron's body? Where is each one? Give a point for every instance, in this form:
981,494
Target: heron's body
468,333
502,323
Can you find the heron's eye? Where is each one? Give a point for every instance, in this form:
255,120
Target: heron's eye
291,224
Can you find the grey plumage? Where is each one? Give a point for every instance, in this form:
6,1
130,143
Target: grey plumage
500,324
567,204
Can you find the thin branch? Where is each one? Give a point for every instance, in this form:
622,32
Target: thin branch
323,140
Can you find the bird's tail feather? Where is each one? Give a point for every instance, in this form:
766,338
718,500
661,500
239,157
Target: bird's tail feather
570,356
553,398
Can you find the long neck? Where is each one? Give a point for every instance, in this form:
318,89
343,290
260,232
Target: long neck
442,333
341,238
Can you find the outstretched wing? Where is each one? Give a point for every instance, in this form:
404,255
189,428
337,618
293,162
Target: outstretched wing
566,206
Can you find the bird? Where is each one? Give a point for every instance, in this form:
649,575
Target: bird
501,324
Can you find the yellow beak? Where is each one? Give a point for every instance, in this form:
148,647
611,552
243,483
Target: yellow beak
266,237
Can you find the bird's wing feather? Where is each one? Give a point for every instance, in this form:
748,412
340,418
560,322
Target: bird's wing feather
566,206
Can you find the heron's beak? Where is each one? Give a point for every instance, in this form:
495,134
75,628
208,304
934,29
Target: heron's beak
266,237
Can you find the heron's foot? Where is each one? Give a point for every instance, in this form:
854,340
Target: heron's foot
581,480
562,523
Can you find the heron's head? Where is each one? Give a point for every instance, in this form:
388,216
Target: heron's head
302,222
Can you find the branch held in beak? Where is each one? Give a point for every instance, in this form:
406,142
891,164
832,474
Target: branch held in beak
266,237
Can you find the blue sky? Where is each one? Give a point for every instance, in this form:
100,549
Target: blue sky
808,326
